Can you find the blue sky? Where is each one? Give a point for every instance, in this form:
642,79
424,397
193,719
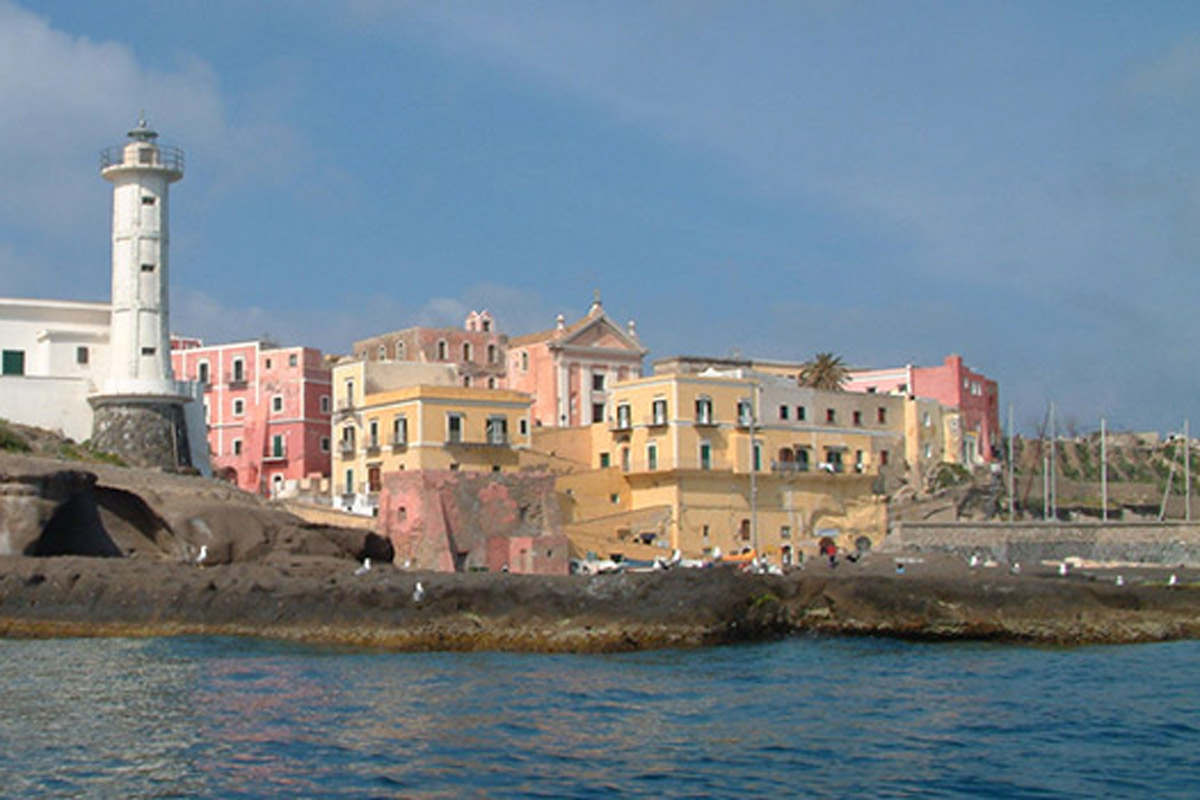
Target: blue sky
1017,182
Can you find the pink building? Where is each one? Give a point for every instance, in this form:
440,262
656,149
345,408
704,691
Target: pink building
476,349
570,368
267,409
973,395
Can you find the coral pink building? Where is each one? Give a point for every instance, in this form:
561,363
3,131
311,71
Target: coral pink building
974,396
267,409
477,349
570,368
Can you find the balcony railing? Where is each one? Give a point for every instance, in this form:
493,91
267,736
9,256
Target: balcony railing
345,447
276,455
789,466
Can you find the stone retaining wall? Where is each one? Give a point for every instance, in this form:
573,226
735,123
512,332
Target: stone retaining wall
1160,543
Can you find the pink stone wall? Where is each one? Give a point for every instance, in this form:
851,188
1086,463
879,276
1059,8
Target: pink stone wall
457,521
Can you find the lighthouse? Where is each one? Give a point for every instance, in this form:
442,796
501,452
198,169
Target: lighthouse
138,411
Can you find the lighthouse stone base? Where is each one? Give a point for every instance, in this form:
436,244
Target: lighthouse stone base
145,433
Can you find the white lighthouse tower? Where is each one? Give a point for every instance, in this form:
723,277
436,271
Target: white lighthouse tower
139,407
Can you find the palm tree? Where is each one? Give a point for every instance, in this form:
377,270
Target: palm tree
825,371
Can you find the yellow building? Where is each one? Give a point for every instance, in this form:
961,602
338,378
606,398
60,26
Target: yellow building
388,418
681,445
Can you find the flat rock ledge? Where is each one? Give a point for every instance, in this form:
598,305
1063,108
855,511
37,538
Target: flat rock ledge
318,600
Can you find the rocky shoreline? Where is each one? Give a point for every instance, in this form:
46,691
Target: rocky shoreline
319,600
97,550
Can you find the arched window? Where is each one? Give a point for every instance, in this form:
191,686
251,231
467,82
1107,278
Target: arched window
442,350
466,352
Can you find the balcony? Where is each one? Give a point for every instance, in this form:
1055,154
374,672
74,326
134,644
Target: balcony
372,449
235,385
706,421
659,421
276,455
619,425
399,443
346,448
789,467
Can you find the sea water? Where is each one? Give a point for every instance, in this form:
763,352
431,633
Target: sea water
805,717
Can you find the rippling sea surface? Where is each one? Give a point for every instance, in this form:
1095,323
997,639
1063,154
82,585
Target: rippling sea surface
222,717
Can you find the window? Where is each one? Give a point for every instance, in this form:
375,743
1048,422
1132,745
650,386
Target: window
658,412
491,384
744,530
277,404
705,455
237,447
524,427
324,444
382,352
399,431
467,380
801,413
883,458
597,412
745,413
926,419
347,444
785,531
239,370
604,461
491,353
239,407
348,487
148,351
802,459
267,363
623,417
497,430
704,411
202,373
757,458
350,392
857,417
487,324
454,428
625,459
652,456
859,466
207,413
597,381
147,268
374,479
373,433
324,404
783,412
82,356
830,415
881,415
277,446
833,460
292,360
524,361
928,450
442,350
148,199
399,351
466,352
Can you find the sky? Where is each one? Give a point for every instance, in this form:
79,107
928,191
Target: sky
1017,182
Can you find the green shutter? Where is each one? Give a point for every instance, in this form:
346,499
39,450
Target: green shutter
14,362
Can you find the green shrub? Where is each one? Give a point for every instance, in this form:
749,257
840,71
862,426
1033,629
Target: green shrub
11,441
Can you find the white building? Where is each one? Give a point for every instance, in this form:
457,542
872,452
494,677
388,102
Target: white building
55,355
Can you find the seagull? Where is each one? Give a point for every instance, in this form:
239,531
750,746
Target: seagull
1015,569
1172,581
418,593
974,562
899,568
1062,569
365,568
203,555
1120,580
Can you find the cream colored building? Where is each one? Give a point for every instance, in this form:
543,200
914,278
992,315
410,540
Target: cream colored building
388,417
735,460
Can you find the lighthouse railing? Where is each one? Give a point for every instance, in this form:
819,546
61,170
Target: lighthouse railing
168,157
